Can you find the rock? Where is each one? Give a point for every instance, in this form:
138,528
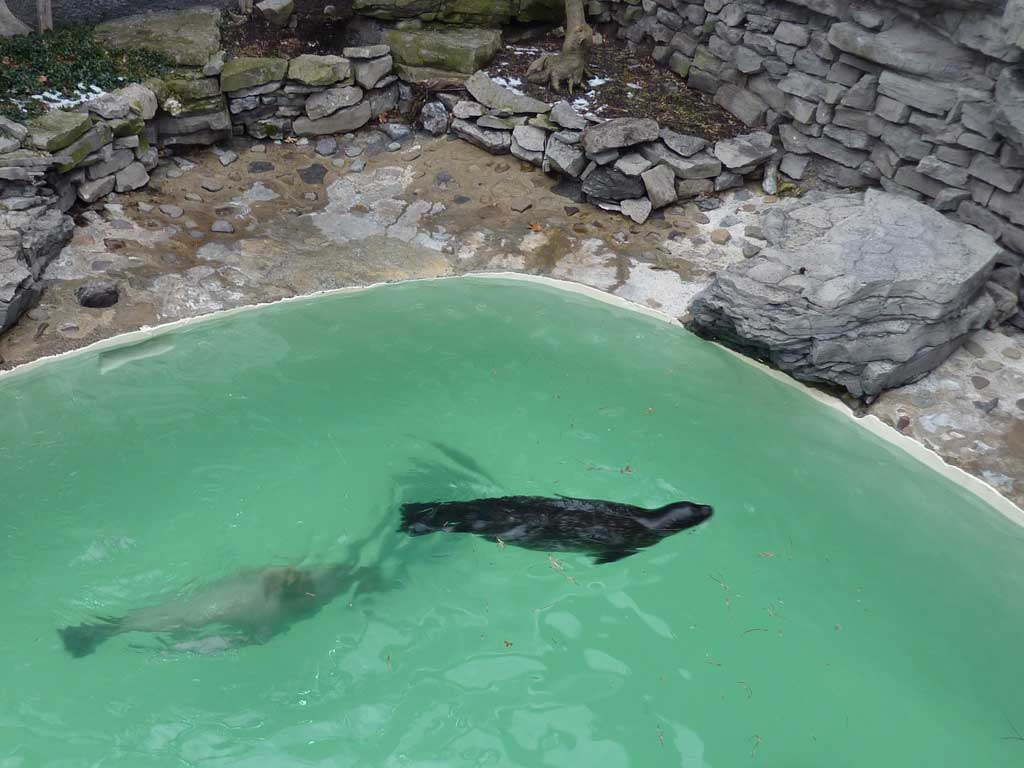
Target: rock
16,131
211,185
520,204
450,49
530,156
683,145
495,123
660,184
632,164
131,178
100,294
189,37
357,166
495,142
927,96
91,191
327,146
720,236
434,118
172,211
11,26
108,106
54,130
746,106
1010,104
366,51
990,171
222,226
394,146
699,166
530,138
637,209
344,120
369,72
215,64
794,166
117,160
619,132
320,105
277,12
750,149
431,79
227,157
563,114
249,72
319,70
492,95
564,158
865,292
468,110
314,174
608,184
260,166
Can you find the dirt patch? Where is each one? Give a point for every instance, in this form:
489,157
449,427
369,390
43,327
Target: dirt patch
622,86
313,31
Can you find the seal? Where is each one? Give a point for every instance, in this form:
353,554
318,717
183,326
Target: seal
606,530
254,605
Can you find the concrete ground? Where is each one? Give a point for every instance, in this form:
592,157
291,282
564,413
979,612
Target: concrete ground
303,223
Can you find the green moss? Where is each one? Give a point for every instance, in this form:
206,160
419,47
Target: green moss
59,61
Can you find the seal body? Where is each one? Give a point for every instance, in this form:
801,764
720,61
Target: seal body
607,530
252,605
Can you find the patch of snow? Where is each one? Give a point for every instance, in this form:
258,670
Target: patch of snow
58,100
596,82
509,83
634,86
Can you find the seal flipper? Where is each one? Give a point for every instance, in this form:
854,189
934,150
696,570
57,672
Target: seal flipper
82,640
611,555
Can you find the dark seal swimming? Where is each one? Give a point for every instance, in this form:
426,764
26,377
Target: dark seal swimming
606,530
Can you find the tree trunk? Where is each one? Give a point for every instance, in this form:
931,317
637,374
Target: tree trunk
9,23
44,13
570,65
245,6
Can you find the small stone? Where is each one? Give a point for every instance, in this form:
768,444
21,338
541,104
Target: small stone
709,203
172,211
227,158
310,196
571,210
638,209
461,200
327,146
394,146
412,154
903,423
750,250
260,166
1012,353
220,225
145,207
39,314
979,382
173,173
357,166
98,295
520,204
1020,404
720,236
396,131
193,197
212,185
353,150
986,406
974,348
258,149
991,366
314,174
338,162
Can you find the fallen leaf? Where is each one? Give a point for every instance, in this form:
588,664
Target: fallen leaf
536,228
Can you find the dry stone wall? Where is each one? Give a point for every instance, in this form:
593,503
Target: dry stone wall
922,99
110,144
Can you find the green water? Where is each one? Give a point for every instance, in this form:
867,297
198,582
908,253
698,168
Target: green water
844,607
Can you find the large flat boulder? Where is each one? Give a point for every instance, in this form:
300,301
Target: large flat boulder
495,96
863,291
189,37
448,49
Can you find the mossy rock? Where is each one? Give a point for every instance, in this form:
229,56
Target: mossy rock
178,109
190,85
57,129
433,79
90,142
188,38
319,70
485,13
391,10
248,72
129,126
447,49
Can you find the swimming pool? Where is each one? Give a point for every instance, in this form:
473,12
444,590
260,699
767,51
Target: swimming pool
845,606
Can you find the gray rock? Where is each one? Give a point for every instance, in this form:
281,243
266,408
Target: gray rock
891,110
564,115
91,191
188,37
862,95
745,105
131,178
117,160
434,118
530,138
802,86
953,175
366,51
495,123
682,144
344,120
565,158
632,164
495,96
792,34
212,185
925,95
660,184
638,209
866,292
327,146
99,294
172,211
468,110
530,156
794,166
320,105
227,157
357,166
495,142
991,172
1010,104
370,72
604,158
222,226
108,106
619,132
702,165
749,149
277,12
608,184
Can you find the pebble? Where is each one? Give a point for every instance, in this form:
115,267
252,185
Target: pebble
396,131
754,231
303,142
260,166
212,185
67,328
101,265
314,174
743,194
412,154
327,146
198,235
990,365
173,211
310,195
38,314
394,146
145,207
974,348
986,406
720,236
750,250
114,208
729,221
520,204
700,218
1020,404
461,200
338,162
220,225
353,151
709,203
980,382
228,157
173,173
1011,353
571,210
903,423
260,148
443,179
357,166
192,196
348,136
